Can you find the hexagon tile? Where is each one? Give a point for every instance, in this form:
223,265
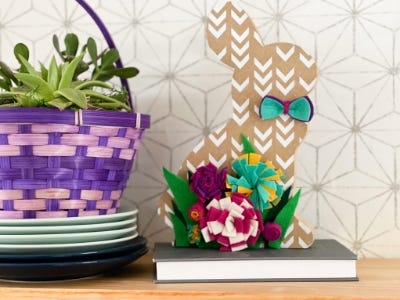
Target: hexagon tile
347,166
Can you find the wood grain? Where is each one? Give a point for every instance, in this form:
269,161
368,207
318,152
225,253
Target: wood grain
379,279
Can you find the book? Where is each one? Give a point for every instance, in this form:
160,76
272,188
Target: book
325,260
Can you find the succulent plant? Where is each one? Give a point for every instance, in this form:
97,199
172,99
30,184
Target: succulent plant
60,85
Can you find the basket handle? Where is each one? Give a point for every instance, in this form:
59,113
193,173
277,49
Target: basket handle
110,42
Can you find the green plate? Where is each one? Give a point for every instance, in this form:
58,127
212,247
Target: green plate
67,228
62,238
44,248
70,221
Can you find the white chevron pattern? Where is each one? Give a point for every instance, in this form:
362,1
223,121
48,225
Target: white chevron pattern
198,147
262,135
217,33
240,50
238,146
285,90
240,87
285,55
215,162
285,141
285,129
241,120
239,19
307,86
239,38
307,62
240,63
285,77
217,21
262,91
222,53
263,67
263,148
285,164
241,108
263,79
217,141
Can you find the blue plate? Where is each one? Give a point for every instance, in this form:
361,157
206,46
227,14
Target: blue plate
50,271
128,247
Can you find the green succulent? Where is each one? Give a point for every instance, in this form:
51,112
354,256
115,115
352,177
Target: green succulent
58,85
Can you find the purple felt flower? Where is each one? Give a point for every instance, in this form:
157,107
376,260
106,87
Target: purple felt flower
208,183
232,222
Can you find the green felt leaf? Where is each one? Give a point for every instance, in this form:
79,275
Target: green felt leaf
274,211
178,213
184,197
247,146
180,231
284,218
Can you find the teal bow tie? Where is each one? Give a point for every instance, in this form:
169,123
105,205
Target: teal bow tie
300,109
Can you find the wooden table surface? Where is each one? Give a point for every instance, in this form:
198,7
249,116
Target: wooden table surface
379,279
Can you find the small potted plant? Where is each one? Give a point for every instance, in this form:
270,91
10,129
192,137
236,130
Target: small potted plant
64,85
68,136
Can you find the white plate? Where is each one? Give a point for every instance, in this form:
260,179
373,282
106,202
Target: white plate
62,238
64,248
70,221
67,228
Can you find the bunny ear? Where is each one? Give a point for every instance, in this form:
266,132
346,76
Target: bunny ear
231,34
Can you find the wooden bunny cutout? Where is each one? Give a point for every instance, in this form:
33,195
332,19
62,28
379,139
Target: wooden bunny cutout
285,73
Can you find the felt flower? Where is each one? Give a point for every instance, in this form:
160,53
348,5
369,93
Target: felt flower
272,231
197,211
207,183
258,180
232,222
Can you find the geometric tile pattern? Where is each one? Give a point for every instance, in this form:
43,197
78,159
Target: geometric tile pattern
348,166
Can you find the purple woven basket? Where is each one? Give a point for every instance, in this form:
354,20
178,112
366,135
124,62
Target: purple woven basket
66,163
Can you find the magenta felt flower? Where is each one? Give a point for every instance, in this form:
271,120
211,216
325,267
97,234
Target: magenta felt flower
208,183
197,211
272,231
232,222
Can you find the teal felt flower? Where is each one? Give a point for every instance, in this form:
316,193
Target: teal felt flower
258,180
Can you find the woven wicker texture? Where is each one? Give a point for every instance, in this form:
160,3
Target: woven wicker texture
56,170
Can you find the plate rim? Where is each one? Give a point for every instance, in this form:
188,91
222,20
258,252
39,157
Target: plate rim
25,248
48,238
16,230
102,265
136,243
69,220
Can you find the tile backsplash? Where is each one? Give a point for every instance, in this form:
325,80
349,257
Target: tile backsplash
348,164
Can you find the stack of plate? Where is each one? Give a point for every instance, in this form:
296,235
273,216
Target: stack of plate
68,248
